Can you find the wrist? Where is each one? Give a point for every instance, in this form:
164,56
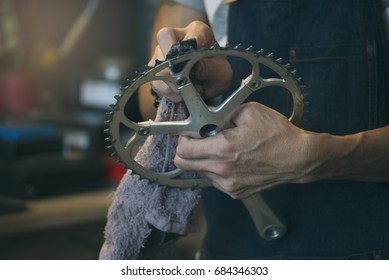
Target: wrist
330,156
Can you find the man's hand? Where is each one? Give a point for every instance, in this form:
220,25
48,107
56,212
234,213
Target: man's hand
212,75
258,149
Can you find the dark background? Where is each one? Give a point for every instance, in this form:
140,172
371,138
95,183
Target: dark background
36,181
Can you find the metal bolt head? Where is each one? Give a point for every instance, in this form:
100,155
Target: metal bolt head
255,84
273,233
143,131
181,81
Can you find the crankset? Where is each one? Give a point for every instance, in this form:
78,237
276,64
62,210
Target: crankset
204,120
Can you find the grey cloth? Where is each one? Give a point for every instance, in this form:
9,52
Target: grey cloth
141,210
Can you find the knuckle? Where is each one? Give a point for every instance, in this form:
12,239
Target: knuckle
224,170
201,32
229,187
249,108
161,88
164,89
163,32
198,25
226,152
181,150
178,162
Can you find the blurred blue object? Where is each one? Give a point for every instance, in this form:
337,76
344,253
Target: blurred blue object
26,132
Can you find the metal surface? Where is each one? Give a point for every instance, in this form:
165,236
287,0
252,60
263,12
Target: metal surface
204,120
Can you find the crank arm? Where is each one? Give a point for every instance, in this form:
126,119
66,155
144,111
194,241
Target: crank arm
266,222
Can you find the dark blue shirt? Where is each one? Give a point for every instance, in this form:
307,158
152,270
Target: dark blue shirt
340,50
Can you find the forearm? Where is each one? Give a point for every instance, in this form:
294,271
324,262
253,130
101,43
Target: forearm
170,14
360,157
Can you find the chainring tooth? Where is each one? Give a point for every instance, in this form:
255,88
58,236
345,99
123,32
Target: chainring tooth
150,73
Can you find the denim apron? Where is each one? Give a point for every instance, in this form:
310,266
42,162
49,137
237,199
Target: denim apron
338,48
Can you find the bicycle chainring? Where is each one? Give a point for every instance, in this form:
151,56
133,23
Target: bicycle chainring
204,120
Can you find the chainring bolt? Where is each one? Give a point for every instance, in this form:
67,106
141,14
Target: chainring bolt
255,84
181,81
143,131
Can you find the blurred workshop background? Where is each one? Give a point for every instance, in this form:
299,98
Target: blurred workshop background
61,63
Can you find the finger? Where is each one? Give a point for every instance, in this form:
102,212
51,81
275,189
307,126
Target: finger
236,191
240,115
214,73
196,165
218,166
166,89
166,38
214,147
247,112
157,55
224,184
197,30
161,87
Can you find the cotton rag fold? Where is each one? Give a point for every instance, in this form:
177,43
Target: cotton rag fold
144,217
